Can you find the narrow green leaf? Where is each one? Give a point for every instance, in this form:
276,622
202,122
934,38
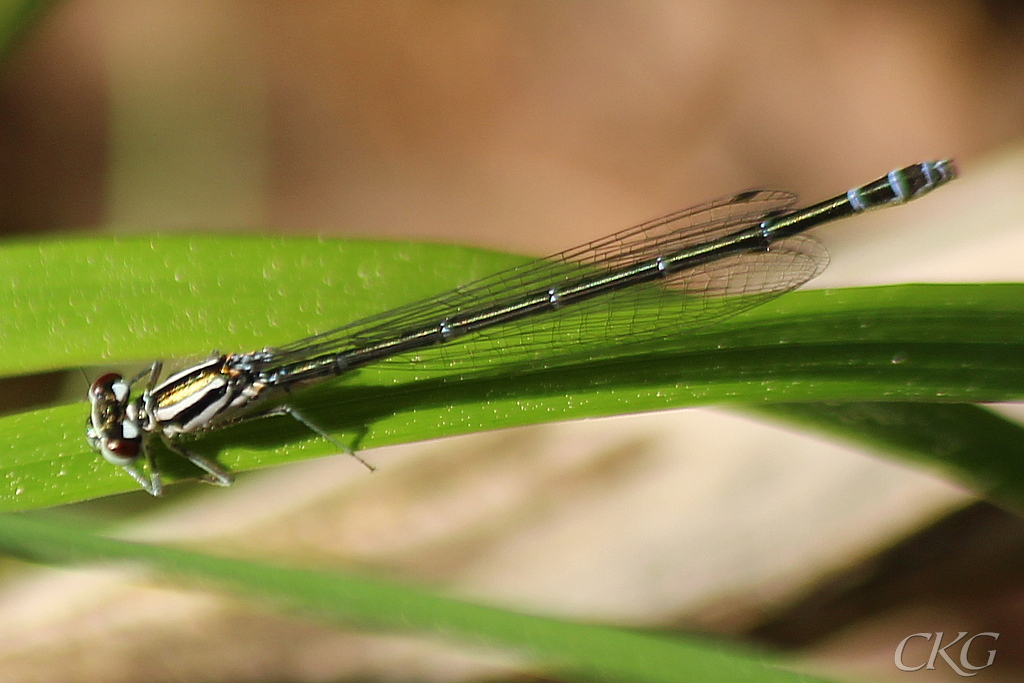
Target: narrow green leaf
974,445
16,17
86,302
593,651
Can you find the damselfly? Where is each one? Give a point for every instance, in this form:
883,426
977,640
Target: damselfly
689,269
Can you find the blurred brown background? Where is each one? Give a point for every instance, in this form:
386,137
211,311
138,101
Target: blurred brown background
532,127
521,125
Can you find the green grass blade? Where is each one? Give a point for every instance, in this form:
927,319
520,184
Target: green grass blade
593,651
16,18
980,448
85,302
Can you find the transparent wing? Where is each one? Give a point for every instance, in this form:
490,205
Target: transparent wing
689,299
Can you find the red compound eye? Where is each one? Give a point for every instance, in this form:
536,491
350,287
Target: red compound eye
125,448
104,383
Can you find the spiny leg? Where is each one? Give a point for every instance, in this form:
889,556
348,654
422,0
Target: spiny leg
215,474
156,486
312,426
148,400
152,485
154,370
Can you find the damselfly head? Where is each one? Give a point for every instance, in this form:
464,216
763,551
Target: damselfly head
108,429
